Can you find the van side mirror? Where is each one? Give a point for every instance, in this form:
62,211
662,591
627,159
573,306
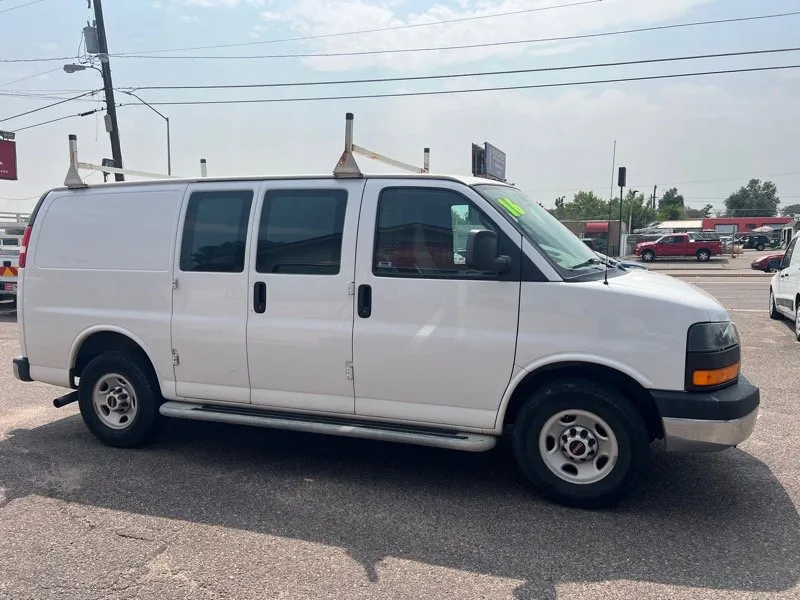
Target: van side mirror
483,252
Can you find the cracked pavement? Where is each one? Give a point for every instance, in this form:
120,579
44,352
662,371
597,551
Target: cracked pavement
213,511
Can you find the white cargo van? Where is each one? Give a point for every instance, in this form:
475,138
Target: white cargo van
433,310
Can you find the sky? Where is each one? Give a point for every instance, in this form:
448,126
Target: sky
706,135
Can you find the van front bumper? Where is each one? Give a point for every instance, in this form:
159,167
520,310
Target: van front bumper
22,369
708,421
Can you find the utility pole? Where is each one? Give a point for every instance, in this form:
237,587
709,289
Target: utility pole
619,233
655,187
111,106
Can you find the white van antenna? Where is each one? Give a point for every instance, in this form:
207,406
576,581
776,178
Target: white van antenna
73,179
348,167
203,168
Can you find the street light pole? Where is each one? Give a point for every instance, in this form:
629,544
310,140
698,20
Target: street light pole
166,119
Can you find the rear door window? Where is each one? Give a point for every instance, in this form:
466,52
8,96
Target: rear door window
215,231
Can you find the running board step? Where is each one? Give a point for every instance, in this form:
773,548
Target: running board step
386,432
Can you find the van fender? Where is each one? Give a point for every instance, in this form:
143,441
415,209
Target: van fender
103,328
558,359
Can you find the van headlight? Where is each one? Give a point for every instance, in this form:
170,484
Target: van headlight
713,355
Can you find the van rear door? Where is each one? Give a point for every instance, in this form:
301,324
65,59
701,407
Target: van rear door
210,295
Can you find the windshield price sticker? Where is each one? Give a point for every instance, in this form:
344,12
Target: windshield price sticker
512,208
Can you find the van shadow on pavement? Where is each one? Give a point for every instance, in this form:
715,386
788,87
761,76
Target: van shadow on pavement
719,521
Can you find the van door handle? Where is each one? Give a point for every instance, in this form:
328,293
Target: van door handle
364,301
260,297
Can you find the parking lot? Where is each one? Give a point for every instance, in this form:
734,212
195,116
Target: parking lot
214,511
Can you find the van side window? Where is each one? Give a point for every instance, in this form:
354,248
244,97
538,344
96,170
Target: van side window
215,231
300,232
422,232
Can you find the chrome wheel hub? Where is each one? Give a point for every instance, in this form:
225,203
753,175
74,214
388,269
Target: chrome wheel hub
578,446
114,401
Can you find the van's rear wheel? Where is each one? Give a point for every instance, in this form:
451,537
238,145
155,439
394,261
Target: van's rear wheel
119,400
581,443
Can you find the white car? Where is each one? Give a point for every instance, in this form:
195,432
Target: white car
336,305
784,289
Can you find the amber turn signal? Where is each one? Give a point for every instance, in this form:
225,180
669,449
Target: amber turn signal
715,376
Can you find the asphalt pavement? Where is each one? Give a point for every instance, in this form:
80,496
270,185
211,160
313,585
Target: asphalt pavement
214,511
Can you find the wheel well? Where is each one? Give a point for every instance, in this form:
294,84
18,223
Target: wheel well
629,387
107,341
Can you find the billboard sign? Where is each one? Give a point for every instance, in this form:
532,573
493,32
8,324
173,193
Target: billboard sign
495,162
8,160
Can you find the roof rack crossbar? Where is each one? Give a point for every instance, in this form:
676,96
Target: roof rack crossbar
73,179
348,167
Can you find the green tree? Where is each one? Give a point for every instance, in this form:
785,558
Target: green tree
791,210
587,205
697,213
635,209
756,199
559,212
670,206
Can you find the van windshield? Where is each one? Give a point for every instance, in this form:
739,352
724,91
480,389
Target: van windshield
566,251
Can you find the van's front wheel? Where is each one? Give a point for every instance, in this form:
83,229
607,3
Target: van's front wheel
581,443
119,400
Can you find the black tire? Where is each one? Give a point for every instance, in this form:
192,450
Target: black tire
773,310
148,399
703,255
797,319
612,407
648,256
760,247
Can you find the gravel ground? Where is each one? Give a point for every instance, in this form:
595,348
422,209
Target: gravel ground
213,511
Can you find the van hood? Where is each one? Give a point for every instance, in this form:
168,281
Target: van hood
658,286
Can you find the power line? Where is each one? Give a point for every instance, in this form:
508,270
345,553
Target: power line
7,83
473,90
143,55
38,60
46,122
83,114
47,106
362,31
29,96
21,6
460,75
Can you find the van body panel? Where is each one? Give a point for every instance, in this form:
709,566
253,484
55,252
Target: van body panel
98,257
612,325
165,377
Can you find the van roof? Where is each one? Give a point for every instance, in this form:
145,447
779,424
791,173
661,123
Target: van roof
466,180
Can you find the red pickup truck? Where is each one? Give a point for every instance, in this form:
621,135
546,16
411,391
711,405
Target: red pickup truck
679,244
